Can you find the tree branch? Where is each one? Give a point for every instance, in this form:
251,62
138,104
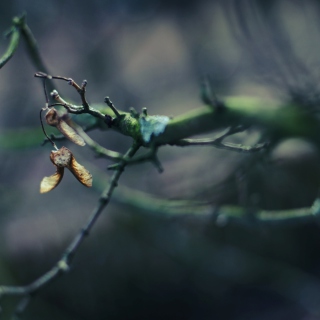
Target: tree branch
14,33
217,142
239,214
220,145
275,118
63,265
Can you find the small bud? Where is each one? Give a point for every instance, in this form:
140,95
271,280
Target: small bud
84,83
54,94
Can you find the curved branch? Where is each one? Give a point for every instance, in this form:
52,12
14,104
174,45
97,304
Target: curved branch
63,265
13,45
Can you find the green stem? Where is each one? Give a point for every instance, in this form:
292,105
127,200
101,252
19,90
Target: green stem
13,45
278,120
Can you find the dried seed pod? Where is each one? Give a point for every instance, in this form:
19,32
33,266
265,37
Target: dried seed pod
49,183
54,119
63,158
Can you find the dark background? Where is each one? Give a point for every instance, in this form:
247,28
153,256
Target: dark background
137,264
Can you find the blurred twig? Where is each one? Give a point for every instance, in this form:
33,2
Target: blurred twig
14,33
152,204
217,142
20,28
170,208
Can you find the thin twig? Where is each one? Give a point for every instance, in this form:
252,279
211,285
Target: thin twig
111,106
151,156
170,208
80,89
218,144
85,108
63,265
97,148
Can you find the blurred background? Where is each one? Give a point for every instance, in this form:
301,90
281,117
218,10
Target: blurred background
144,263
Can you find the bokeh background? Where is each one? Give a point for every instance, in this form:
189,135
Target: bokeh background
140,263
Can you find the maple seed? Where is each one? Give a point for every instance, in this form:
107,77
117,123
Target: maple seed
55,120
63,158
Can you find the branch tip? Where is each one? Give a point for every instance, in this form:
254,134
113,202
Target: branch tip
134,113
42,75
63,266
111,106
54,94
84,84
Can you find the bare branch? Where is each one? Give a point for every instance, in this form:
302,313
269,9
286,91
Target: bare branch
97,148
217,142
85,108
156,205
63,265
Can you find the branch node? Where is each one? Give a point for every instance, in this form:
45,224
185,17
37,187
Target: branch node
63,266
55,95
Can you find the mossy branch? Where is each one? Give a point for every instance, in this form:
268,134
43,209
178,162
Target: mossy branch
276,119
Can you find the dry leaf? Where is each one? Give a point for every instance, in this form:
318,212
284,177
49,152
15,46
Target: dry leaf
55,120
49,183
80,172
63,158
